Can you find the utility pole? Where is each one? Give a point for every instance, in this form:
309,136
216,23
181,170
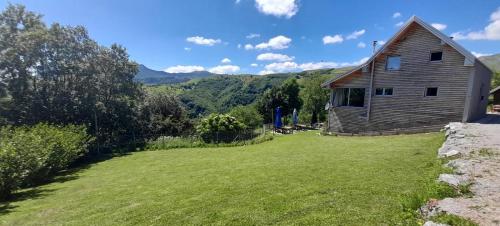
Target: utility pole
371,84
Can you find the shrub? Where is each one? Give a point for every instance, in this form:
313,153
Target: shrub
248,115
219,128
29,154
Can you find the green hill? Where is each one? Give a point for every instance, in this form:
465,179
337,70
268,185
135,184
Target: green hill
493,62
220,93
223,92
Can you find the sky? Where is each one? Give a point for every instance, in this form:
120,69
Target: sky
265,36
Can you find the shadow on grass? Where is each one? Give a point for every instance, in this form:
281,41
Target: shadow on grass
8,205
38,191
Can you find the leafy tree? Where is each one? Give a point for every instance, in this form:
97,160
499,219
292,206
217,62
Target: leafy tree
163,114
60,75
285,96
248,115
314,97
495,82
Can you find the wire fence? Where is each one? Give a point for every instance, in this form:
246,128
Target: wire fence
132,141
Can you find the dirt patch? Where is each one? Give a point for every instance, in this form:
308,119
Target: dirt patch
474,150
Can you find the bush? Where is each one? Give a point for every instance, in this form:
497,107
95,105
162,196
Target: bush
219,128
248,115
29,154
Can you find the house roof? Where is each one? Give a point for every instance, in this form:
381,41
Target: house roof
470,59
495,90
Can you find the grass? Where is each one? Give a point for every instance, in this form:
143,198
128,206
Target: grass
293,179
452,220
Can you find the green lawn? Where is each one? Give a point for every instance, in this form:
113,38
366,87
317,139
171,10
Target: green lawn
294,179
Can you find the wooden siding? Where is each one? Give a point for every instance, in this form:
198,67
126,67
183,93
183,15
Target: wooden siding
408,107
479,93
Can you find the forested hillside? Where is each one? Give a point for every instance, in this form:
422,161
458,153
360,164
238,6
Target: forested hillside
220,93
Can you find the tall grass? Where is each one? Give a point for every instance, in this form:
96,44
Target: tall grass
169,142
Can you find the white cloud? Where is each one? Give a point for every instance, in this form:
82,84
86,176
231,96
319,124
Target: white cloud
380,42
248,47
239,46
237,1
187,49
280,67
203,41
274,57
356,34
250,36
225,61
361,45
322,65
481,54
290,66
332,39
266,72
278,8
439,26
224,69
184,69
254,65
396,15
399,24
278,42
490,32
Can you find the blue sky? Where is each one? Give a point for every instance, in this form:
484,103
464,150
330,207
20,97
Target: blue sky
284,35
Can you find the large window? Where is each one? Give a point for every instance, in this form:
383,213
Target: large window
393,63
353,97
383,91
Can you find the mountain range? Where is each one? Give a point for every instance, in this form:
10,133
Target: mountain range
153,77
150,76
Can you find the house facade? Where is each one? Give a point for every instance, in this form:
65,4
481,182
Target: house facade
496,99
419,80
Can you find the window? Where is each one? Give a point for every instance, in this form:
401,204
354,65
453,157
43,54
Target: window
393,63
353,97
431,91
437,56
383,91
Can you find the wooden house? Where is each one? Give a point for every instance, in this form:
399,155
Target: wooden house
419,80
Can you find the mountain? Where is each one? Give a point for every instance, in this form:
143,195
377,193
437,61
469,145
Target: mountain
150,76
492,61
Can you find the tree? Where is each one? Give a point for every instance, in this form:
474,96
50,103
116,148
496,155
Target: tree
495,82
314,97
61,76
285,96
163,114
248,115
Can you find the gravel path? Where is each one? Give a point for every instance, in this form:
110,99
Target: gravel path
475,148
